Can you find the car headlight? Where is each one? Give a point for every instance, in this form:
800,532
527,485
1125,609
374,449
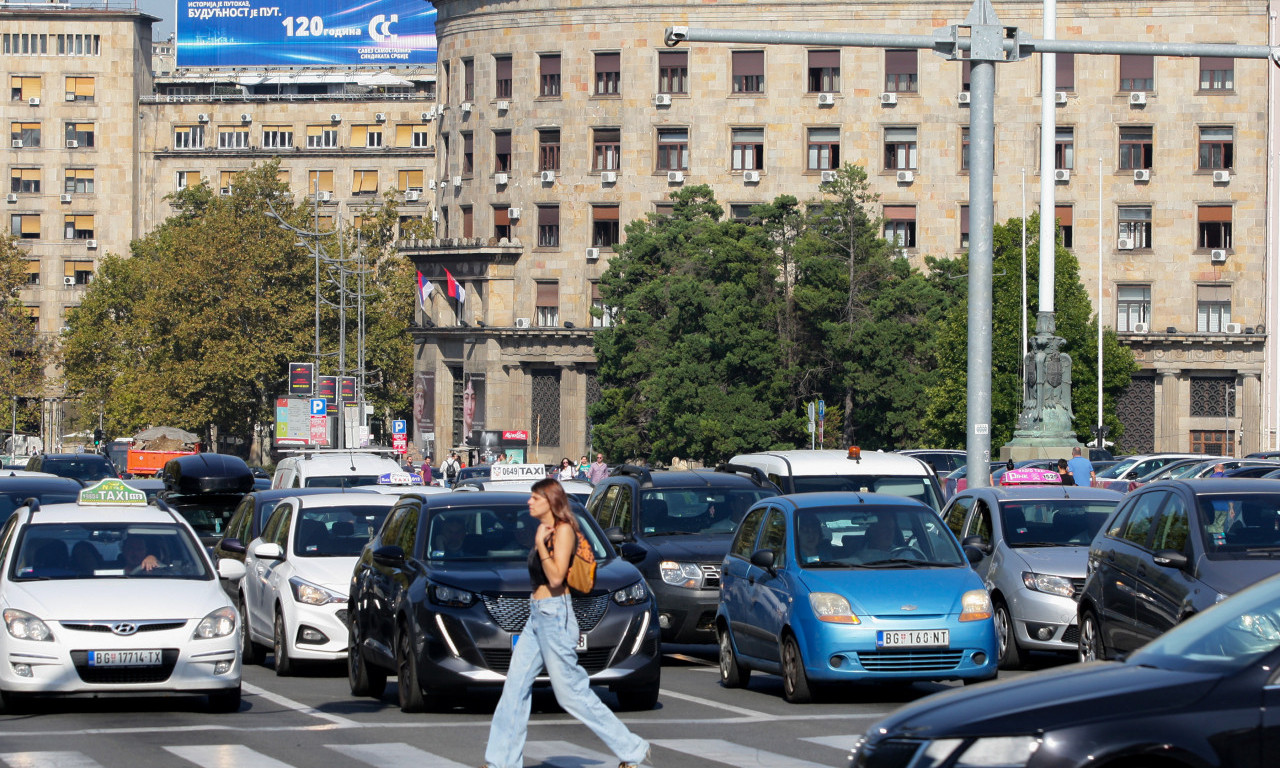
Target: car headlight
450,596
975,605
1050,585
681,574
828,606
991,752
219,623
24,626
313,594
632,595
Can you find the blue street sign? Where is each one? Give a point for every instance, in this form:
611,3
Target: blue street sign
399,427
318,406
822,410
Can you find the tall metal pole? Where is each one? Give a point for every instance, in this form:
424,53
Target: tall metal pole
315,251
1048,142
982,137
1022,330
1099,419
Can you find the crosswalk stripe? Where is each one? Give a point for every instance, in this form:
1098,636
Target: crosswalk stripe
721,751
221,755
48,760
845,742
394,756
565,754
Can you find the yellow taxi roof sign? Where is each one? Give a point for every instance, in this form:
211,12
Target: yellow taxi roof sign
112,491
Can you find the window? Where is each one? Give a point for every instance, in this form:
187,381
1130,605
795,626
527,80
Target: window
80,133
1213,396
900,72
27,133
22,88
25,226
824,149
409,135
79,181
548,226
900,148
501,222
321,137
188,137
1133,305
364,182
81,272
964,148
1137,72
608,74
368,136
468,221
673,72
24,180
26,44
900,225
33,272
468,79
283,176
606,149
1138,527
443,229
547,302
226,180
188,179
1217,74
1066,221
234,137
1064,147
79,88
748,71
1136,147
502,77
604,226
1213,226
77,227
277,137
468,154
1213,308
824,71
673,149
79,45
1135,224
602,315
1066,65
748,149
549,150
409,181
549,75
501,151
1216,148
322,180
964,226
741,211
1214,442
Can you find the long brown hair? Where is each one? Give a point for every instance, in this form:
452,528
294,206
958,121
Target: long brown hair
553,492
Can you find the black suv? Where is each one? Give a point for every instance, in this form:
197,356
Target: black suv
86,467
676,527
205,488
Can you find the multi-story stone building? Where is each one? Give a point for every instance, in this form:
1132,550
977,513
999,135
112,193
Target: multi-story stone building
564,121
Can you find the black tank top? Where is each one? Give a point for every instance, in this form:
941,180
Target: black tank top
537,576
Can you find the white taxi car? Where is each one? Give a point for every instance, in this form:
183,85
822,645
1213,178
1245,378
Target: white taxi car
113,595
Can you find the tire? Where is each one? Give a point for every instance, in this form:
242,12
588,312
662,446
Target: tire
640,699
732,673
410,692
250,652
285,666
795,683
224,701
364,680
1091,647
13,703
1010,655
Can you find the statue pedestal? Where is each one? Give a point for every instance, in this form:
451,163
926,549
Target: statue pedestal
1045,425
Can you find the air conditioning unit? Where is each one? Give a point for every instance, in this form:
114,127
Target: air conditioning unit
1062,174
751,177
1233,327
1141,327
608,177
826,99
593,254
91,244
513,213
73,144
888,98
245,117
68,280
335,118
431,184
1221,176
17,143
500,179
34,101
547,176
65,198
504,106
1060,97
457,181
11,197
963,97
828,176
675,177
1138,98
522,322
426,116
661,99
906,177
466,107
202,117
1217,255
71,97
412,196
1142,175
1125,244
325,196
380,117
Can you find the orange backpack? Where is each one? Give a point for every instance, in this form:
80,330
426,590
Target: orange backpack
582,567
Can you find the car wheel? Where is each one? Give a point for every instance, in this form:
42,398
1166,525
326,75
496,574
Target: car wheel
640,699
1007,637
250,652
732,674
285,666
795,683
12,703
364,681
1091,647
224,701
410,692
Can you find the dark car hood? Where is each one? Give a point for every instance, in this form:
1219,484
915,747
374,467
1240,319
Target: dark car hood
1231,576
698,548
513,575
1049,701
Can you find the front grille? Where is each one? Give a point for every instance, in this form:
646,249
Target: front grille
910,661
125,675
890,753
1071,634
511,612
593,660
105,626
1077,586
710,576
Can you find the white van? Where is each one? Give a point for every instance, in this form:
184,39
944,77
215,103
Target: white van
332,469
852,470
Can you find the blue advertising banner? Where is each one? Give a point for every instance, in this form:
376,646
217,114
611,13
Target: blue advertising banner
302,33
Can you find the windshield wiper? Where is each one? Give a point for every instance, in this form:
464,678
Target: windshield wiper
674,533
1041,544
909,561
831,564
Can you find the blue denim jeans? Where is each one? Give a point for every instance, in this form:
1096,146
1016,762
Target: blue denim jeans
549,641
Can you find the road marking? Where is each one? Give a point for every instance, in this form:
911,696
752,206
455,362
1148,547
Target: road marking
297,706
565,754
727,752
692,659
225,756
838,742
396,755
713,704
48,760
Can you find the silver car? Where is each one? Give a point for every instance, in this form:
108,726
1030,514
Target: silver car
1034,541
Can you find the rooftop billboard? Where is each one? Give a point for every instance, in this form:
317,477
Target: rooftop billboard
305,33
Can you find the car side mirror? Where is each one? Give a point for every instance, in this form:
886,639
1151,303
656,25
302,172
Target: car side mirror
1170,558
632,552
268,551
233,545
390,556
763,558
231,570
978,543
615,535
973,554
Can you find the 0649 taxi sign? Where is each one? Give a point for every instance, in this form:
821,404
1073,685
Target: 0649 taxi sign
113,492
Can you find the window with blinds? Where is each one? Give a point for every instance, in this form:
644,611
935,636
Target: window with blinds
226,181
1064,147
77,227
233,137
24,180
277,137
409,181
79,88
747,148
468,79
1213,308
549,149
1213,226
188,179
80,271
1133,306
368,136
364,182
608,74
547,301
24,87
901,72
413,135
549,75
188,137
27,133
501,151
1217,74
1137,72
1135,224
549,226
748,71
602,315
78,181
501,223
824,71
283,176
323,178
1216,148
900,225
26,44
32,272
824,149
604,226
25,226
964,226
673,72
321,137
502,77
1066,224
900,148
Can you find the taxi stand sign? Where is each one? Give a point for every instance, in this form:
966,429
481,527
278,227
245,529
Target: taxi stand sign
399,478
111,492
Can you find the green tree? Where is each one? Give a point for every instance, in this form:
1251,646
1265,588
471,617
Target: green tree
24,352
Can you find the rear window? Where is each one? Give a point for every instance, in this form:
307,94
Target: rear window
672,511
919,488
341,481
95,468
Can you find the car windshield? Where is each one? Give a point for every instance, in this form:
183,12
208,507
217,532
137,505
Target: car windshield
1240,526
11,500
60,551
1053,522
341,481
675,511
335,531
208,514
911,487
493,532
1226,638
81,469
873,535
1116,470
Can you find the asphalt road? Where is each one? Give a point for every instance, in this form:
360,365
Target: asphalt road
312,720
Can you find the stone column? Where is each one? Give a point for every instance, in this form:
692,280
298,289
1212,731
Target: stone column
1168,430
1249,406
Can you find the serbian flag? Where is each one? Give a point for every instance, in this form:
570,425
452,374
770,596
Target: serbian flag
425,287
454,288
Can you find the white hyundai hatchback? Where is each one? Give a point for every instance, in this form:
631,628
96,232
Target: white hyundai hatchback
113,595
298,575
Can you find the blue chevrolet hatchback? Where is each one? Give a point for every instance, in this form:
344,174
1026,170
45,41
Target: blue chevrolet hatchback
844,587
